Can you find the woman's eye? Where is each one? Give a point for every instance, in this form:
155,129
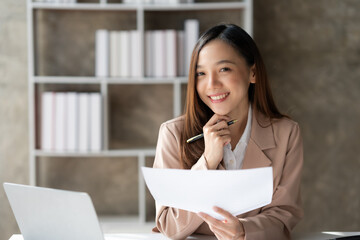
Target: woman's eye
199,74
224,69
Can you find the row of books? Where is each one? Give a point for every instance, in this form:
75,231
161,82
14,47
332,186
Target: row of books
56,1
117,53
125,1
71,122
167,52
157,1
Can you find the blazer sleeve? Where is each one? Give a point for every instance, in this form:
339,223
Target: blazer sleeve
277,219
172,222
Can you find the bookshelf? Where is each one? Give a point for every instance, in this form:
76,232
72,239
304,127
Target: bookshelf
52,30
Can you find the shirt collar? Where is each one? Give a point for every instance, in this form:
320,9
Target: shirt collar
246,134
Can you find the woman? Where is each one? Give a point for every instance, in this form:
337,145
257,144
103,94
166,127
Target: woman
227,80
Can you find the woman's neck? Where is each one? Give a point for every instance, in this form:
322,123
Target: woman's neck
237,129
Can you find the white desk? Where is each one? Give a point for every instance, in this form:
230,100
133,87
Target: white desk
135,236
158,236
324,235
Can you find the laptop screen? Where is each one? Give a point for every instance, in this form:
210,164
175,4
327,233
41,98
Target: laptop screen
45,213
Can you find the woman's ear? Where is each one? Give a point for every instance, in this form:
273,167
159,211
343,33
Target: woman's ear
253,74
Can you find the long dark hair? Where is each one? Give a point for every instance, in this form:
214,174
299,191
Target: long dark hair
198,113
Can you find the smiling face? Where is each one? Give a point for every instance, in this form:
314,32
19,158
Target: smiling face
223,78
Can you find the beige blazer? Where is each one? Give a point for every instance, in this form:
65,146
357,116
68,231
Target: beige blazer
277,144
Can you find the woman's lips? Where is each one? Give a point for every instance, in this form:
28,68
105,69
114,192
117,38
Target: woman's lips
216,98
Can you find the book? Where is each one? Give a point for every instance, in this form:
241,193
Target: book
83,122
149,51
180,54
191,37
102,53
71,143
159,55
114,54
95,117
135,54
60,124
125,51
179,1
118,53
171,56
47,121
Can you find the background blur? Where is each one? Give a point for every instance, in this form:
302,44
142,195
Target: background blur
312,53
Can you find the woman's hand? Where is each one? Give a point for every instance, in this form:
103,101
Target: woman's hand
230,228
216,136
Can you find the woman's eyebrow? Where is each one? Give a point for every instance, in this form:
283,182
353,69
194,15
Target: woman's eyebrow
219,62
225,61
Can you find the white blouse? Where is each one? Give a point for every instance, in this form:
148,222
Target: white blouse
234,159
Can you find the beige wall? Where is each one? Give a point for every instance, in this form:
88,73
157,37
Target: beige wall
312,53
13,106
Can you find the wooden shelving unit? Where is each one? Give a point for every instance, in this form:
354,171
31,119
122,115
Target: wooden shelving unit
39,82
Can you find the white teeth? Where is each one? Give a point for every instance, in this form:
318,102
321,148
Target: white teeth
219,96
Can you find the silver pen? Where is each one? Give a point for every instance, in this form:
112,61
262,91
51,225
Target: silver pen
201,135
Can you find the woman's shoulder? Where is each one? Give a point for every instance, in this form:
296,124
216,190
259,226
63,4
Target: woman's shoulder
282,123
175,121
174,125
285,122
285,127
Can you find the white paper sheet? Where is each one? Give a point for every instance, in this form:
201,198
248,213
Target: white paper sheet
237,191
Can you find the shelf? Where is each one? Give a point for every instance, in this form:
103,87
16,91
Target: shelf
195,6
148,80
108,80
106,153
134,7
84,6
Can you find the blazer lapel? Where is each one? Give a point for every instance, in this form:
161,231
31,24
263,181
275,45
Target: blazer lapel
255,157
261,138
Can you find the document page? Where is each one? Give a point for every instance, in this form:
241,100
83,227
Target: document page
237,191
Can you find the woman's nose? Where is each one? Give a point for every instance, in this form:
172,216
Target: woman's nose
213,81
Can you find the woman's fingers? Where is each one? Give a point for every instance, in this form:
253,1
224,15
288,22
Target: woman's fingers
218,224
207,218
217,127
216,136
219,132
219,228
212,222
228,216
232,226
224,137
217,118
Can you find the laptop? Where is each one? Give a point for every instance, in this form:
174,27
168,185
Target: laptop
45,213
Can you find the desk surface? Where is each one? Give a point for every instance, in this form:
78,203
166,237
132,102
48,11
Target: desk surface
135,236
324,235
157,236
